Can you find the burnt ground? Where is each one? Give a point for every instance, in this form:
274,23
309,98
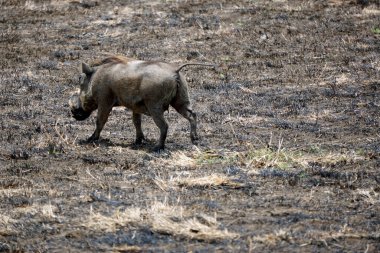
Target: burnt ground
289,154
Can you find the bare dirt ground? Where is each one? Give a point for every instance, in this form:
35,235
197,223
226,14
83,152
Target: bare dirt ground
289,121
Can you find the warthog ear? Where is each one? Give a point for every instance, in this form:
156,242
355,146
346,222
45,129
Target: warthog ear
87,69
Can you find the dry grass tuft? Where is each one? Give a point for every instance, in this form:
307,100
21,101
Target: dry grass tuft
45,211
213,180
268,158
344,232
127,248
330,157
368,195
196,158
274,238
169,220
48,210
207,181
7,226
255,159
177,159
100,222
162,218
180,159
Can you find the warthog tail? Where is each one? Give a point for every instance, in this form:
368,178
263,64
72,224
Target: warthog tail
200,64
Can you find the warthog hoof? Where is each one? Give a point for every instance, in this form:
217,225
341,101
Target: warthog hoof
139,140
92,138
194,139
158,148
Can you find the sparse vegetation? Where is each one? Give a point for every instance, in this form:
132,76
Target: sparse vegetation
376,30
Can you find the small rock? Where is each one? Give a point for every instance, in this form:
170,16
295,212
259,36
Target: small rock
47,64
192,55
4,247
20,154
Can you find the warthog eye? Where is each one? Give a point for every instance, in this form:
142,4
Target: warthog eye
81,78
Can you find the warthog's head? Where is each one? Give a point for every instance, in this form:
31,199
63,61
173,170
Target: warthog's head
81,103
76,108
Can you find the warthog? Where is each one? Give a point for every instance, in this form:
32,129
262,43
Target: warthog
143,87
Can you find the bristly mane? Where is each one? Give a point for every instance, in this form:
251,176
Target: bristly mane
115,59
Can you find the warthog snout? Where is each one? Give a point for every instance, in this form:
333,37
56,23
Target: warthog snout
76,108
80,114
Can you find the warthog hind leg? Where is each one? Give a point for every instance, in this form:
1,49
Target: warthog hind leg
158,118
188,114
139,133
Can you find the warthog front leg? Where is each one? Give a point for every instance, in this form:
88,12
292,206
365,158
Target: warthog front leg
139,133
102,117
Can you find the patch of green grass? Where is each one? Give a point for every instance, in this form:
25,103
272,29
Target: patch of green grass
216,157
226,58
267,157
375,30
255,158
278,158
314,149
